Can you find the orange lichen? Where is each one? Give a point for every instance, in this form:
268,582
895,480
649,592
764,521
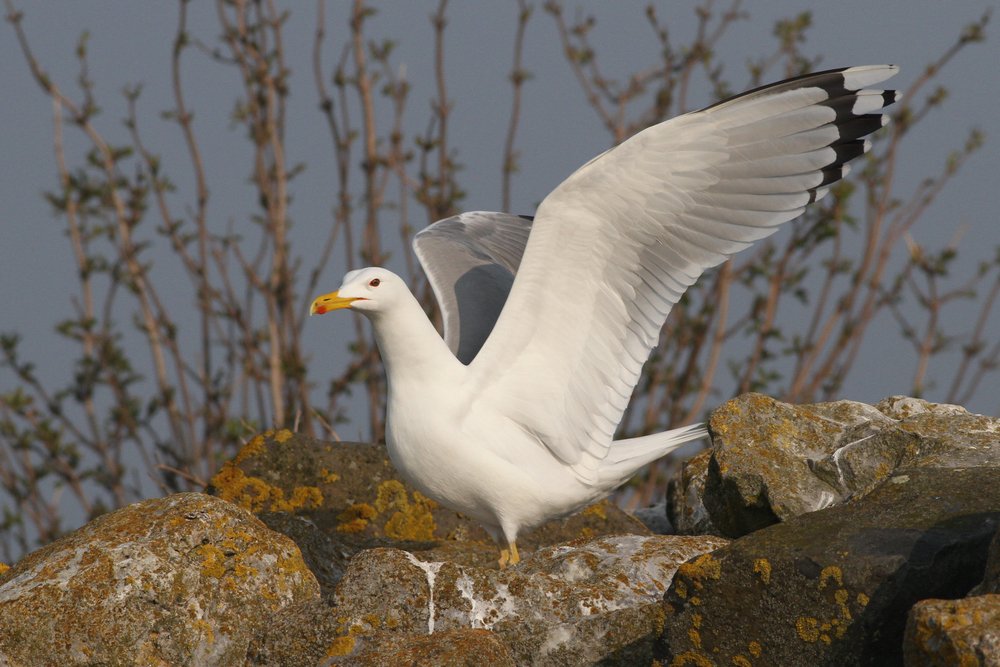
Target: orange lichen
355,518
695,637
255,494
340,646
691,658
762,567
755,649
597,510
741,661
3,568
830,572
328,476
213,560
808,628
701,568
411,520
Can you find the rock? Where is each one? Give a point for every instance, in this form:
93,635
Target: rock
462,647
942,633
685,508
655,518
186,579
578,603
351,493
833,587
991,578
772,461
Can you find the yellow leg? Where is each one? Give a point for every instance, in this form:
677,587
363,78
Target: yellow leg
509,556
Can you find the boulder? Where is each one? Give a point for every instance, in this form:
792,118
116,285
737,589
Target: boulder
771,461
685,508
833,587
942,633
579,603
182,580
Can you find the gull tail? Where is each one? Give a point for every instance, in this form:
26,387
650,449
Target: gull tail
627,456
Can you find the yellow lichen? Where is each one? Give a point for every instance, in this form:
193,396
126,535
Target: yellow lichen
691,658
695,637
862,600
703,567
762,567
411,520
255,494
808,628
755,649
213,561
741,661
696,620
340,646
355,518
830,572
3,568
597,510
283,436
328,476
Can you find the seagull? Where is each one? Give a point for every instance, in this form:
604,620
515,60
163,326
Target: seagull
510,417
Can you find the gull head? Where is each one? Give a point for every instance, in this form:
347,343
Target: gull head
370,290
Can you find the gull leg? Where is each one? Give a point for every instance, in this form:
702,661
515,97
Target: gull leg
504,558
515,557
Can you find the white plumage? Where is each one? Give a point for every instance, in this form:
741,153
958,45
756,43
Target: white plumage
548,322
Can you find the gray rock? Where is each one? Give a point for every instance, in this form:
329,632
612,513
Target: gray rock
772,461
943,633
991,578
834,587
182,580
685,507
579,603
655,518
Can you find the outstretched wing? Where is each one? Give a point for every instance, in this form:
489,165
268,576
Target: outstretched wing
616,244
470,260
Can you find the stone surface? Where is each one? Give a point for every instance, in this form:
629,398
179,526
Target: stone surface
655,518
834,587
943,633
182,580
685,508
351,493
991,578
772,461
579,603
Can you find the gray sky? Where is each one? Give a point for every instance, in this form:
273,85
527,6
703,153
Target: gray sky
131,41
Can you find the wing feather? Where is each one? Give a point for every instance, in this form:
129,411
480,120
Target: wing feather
613,248
470,260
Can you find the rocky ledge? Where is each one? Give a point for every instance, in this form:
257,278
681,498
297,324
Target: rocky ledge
828,534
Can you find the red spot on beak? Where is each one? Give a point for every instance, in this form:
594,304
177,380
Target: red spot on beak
320,310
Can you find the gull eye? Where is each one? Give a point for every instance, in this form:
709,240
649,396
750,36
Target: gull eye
374,282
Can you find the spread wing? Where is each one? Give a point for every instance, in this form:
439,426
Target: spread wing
615,245
470,260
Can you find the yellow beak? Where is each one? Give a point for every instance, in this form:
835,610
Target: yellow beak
331,301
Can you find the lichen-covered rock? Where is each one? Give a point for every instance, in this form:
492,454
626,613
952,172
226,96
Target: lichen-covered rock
833,587
685,507
461,647
943,633
352,494
186,579
771,461
578,603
